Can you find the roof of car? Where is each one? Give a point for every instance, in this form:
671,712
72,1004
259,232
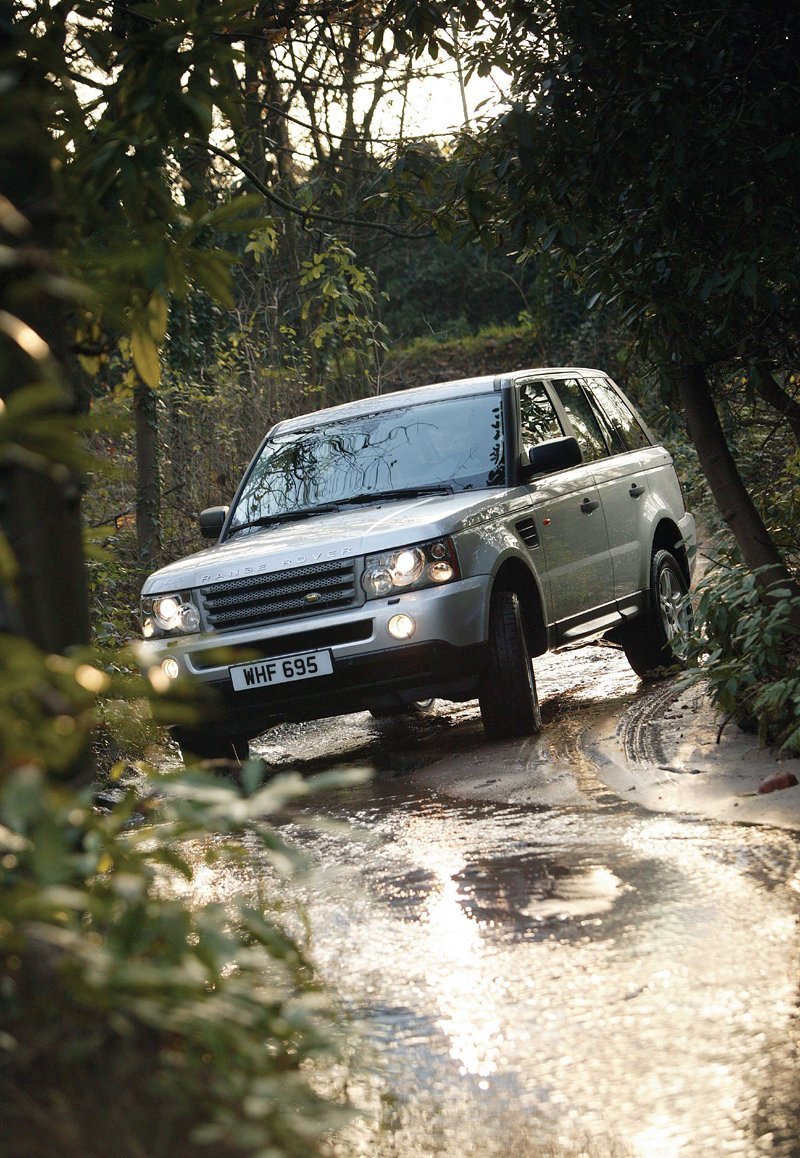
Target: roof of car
417,395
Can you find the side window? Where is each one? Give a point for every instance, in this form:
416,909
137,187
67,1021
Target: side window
538,418
583,419
626,429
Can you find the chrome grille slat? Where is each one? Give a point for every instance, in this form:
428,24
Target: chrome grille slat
280,594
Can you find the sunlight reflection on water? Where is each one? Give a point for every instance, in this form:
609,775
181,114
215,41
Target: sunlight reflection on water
572,978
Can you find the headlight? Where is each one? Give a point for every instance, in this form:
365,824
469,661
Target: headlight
409,568
173,614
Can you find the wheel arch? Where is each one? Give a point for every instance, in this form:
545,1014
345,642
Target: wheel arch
514,575
667,537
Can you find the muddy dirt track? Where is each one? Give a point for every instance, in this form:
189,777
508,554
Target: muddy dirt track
535,964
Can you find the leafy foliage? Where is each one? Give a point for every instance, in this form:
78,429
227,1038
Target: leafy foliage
652,151
653,154
746,649
134,1017
156,78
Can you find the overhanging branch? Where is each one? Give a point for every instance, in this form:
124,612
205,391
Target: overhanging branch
307,215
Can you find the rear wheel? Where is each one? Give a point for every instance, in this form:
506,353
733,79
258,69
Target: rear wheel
508,699
198,745
650,641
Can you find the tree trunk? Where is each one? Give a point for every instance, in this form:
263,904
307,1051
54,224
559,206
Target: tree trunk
148,484
718,465
39,500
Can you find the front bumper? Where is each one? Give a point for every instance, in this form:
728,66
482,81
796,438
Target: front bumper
371,670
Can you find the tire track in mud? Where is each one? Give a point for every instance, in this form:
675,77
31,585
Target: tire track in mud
637,730
599,713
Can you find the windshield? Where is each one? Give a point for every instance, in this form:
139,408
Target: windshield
456,443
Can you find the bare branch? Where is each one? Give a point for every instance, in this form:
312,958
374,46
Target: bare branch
307,215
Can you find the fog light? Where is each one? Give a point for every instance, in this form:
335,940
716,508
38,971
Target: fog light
170,668
401,627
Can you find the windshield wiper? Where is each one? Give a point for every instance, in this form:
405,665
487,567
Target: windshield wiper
285,517
354,500
399,493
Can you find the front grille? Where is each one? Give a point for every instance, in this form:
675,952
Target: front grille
526,529
280,595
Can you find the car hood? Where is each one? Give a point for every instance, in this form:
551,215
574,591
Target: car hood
337,535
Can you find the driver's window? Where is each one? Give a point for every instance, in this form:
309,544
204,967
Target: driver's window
538,418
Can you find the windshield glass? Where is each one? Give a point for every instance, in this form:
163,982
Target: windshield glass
456,443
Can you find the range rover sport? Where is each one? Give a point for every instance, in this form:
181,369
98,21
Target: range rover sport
426,543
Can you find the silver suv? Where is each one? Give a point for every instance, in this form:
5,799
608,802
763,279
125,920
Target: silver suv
426,543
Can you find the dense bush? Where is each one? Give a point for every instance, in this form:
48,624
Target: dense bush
746,644
746,648
136,1017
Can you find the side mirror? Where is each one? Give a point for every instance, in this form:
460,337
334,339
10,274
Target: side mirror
552,455
211,521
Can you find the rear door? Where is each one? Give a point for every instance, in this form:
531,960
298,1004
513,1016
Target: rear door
625,482
619,475
570,523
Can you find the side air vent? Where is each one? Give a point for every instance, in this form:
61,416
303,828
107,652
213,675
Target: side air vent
526,529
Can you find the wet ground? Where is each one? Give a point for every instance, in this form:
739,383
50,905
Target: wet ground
544,968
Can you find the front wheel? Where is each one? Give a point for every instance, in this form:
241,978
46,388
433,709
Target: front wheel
650,641
507,697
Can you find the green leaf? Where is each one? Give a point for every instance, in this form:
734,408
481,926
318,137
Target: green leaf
226,213
145,358
8,563
157,317
211,271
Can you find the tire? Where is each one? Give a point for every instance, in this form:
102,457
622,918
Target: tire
198,745
649,640
507,696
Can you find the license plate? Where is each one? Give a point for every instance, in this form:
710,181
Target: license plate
283,669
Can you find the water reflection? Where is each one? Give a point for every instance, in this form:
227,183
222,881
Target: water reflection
639,996
579,979
460,973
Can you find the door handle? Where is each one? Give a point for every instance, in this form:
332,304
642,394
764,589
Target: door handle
589,505
636,490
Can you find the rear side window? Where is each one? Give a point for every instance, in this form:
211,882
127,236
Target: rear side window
626,430
582,418
538,418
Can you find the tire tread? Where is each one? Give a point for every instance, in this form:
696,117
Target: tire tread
644,641
508,701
